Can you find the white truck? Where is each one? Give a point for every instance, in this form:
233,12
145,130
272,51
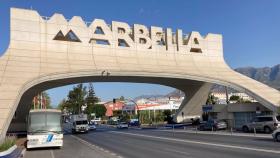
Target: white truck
79,123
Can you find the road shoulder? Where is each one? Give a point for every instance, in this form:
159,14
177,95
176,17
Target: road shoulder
72,147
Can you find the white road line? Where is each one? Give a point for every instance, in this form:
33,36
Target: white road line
202,143
177,151
217,133
52,154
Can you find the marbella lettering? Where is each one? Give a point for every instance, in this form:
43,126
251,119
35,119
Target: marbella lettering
119,34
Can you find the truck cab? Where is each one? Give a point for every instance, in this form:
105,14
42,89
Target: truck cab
79,123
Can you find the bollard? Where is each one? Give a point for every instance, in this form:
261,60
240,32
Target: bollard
254,131
184,127
231,130
196,130
173,129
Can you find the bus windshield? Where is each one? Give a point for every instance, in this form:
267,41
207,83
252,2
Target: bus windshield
43,122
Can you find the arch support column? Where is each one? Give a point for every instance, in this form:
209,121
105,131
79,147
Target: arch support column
195,97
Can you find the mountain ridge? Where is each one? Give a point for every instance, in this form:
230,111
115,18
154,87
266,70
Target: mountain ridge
267,75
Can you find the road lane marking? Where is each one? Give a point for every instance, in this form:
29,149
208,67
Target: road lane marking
201,143
177,151
217,133
52,154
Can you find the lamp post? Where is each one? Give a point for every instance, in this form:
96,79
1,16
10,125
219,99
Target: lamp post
136,109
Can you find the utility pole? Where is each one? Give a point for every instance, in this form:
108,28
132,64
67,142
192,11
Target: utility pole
226,94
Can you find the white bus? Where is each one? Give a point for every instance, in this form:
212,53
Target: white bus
44,128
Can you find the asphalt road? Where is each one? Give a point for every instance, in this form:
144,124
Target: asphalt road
73,147
133,143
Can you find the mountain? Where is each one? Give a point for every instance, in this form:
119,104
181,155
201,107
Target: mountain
148,96
266,75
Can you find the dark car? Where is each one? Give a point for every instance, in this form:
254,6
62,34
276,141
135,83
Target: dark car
213,125
134,123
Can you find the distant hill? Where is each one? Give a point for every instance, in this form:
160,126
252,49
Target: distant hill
148,96
266,75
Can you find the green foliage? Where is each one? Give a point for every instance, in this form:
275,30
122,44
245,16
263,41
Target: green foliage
238,99
158,116
76,98
62,104
241,100
167,116
79,96
8,142
144,117
234,98
117,113
125,118
91,100
99,110
122,98
211,100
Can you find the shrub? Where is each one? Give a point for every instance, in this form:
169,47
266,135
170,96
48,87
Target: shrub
8,142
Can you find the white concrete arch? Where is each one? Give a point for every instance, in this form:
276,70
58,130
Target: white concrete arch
189,63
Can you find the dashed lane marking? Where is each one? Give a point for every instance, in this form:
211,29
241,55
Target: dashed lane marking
52,154
92,146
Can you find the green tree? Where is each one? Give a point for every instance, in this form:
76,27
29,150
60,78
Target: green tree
160,116
62,104
234,98
76,98
122,98
211,99
99,110
167,116
238,99
91,100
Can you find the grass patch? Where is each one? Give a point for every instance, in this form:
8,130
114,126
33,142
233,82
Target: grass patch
9,142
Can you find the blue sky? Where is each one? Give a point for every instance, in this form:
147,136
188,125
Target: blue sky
250,29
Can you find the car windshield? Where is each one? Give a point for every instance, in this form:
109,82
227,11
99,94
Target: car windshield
81,122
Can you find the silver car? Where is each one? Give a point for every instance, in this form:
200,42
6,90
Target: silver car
91,126
266,123
276,135
122,125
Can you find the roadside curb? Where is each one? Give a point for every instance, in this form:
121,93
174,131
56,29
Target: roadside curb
12,152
